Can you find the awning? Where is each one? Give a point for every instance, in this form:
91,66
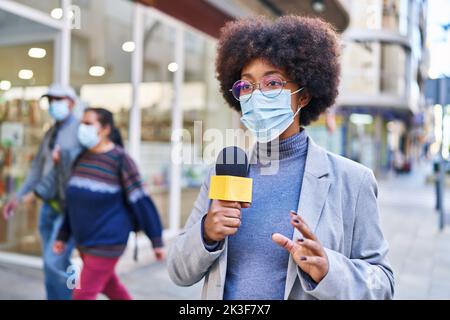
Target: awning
210,15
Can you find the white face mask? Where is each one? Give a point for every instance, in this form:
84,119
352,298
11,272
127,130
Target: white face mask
59,109
88,135
267,118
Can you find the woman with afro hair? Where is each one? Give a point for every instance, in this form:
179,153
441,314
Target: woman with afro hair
312,230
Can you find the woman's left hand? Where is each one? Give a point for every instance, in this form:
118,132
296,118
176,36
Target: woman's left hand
307,252
159,253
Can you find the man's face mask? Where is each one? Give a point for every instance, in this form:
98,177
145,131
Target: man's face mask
59,109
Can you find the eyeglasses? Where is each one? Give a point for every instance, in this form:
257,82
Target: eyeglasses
270,87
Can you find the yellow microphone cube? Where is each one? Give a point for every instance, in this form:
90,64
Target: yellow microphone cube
231,188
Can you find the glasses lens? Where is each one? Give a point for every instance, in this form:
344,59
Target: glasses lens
271,86
242,89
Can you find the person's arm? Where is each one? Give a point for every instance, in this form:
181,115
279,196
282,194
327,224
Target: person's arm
366,274
188,259
65,231
46,187
144,211
53,185
35,173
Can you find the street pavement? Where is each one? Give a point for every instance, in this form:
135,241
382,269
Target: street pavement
419,252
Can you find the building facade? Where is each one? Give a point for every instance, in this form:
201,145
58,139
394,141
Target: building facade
380,108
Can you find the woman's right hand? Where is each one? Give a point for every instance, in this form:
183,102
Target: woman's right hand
59,247
222,220
10,208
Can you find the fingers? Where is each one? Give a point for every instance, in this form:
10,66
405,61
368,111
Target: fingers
311,245
245,205
231,213
7,211
231,222
301,226
284,242
228,231
159,254
58,248
297,249
230,204
315,261
223,219
226,213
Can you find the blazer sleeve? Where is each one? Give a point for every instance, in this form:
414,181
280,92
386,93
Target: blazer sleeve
188,259
367,273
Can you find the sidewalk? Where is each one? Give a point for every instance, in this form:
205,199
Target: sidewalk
420,254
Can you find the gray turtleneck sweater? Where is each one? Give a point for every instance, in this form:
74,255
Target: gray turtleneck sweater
257,267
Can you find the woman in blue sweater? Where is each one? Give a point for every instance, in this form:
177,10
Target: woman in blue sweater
105,201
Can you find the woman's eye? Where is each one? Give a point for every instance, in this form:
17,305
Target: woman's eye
274,83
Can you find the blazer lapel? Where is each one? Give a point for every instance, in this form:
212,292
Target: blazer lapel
314,191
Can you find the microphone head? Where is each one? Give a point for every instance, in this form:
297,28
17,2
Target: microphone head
232,161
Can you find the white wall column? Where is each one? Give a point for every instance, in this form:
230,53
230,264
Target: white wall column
176,140
134,130
61,73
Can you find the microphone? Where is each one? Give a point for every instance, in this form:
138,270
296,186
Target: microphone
231,182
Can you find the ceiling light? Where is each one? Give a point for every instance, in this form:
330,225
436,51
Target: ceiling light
172,67
318,6
25,74
97,71
128,46
57,13
5,85
37,53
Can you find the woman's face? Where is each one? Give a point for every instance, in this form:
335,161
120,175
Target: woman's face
91,118
259,68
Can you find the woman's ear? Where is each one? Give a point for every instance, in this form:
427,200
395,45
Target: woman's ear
106,131
304,98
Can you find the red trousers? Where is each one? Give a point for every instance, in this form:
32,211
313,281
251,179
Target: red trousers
98,276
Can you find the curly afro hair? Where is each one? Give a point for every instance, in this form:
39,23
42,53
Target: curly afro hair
306,49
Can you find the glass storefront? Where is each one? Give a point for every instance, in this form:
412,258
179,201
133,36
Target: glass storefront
26,69
100,71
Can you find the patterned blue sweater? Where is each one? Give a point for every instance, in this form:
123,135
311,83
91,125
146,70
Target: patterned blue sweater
105,201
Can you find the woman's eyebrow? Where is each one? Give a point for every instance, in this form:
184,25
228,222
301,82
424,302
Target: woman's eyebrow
248,75
270,72
267,73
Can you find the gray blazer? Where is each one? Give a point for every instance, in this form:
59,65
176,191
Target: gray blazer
339,202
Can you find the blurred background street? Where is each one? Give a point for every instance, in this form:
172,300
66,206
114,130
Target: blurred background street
151,63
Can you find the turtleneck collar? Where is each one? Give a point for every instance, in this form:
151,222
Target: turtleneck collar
291,147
